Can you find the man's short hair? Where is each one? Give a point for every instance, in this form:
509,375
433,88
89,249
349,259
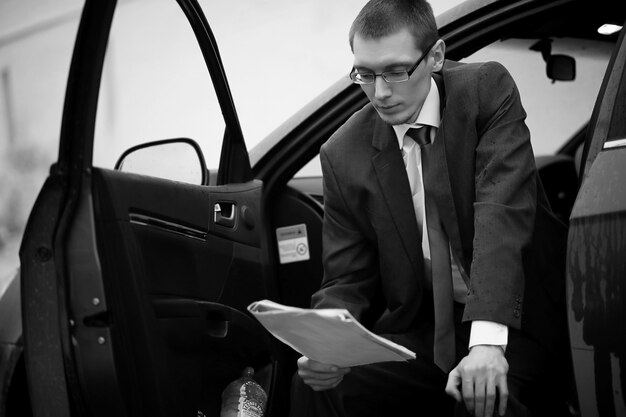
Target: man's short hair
379,18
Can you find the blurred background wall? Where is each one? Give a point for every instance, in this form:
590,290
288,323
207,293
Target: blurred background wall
303,41
36,40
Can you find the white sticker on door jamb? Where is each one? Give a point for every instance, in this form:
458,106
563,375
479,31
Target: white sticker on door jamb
293,243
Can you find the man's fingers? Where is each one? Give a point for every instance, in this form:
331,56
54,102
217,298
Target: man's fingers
479,398
321,383
452,387
320,376
503,392
490,398
321,386
483,376
310,364
467,384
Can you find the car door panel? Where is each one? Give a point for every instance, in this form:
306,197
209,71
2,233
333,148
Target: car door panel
178,291
136,298
167,222
596,266
596,272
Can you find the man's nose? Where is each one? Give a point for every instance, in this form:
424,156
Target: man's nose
381,88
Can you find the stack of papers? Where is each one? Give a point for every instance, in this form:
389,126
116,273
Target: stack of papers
331,336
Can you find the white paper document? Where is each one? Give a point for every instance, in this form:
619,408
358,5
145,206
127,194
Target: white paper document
330,336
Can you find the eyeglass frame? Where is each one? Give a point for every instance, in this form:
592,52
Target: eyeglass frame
409,72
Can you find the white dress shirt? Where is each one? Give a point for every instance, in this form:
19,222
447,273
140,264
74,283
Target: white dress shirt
482,332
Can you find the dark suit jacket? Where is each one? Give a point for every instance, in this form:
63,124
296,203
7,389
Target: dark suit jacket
507,242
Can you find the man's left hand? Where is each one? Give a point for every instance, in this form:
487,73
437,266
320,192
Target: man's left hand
481,374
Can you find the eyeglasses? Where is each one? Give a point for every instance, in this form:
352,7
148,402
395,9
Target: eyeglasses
388,76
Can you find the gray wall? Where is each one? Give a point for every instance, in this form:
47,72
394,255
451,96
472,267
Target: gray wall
36,41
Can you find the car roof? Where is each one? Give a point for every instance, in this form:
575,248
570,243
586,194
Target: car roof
576,18
488,21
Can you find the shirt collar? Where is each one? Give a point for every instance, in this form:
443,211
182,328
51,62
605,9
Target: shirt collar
428,115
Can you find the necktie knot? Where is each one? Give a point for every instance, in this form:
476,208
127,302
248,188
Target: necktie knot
420,135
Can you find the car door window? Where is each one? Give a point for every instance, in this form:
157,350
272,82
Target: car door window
155,85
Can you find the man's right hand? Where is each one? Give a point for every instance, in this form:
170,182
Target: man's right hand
320,376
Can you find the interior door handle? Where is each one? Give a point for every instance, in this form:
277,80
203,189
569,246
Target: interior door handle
217,316
224,214
220,321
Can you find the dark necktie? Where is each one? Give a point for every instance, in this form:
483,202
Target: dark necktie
443,295
420,135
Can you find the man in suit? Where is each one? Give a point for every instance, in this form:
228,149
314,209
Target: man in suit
446,246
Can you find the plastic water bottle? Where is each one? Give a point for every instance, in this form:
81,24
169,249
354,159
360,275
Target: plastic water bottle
244,397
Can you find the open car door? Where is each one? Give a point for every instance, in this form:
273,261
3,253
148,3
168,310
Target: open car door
135,287
596,259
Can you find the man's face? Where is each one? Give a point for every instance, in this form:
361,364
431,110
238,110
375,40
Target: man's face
396,103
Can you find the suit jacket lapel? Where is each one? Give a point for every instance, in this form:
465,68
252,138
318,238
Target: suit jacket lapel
395,188
440,175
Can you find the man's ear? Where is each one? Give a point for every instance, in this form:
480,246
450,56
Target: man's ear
439,53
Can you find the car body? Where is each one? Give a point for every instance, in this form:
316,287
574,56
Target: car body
134,287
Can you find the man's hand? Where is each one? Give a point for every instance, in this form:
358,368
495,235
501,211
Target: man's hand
320,376
480,374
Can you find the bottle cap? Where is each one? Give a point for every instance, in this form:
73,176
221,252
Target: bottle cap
248,371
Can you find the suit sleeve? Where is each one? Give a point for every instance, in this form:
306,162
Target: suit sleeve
350,272
505,201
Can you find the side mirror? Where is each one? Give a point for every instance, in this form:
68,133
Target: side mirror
558,67
561,68
179,159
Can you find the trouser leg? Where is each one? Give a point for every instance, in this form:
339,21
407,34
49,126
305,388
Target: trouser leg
392,388
537,383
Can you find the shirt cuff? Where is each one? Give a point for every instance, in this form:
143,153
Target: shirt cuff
485,332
